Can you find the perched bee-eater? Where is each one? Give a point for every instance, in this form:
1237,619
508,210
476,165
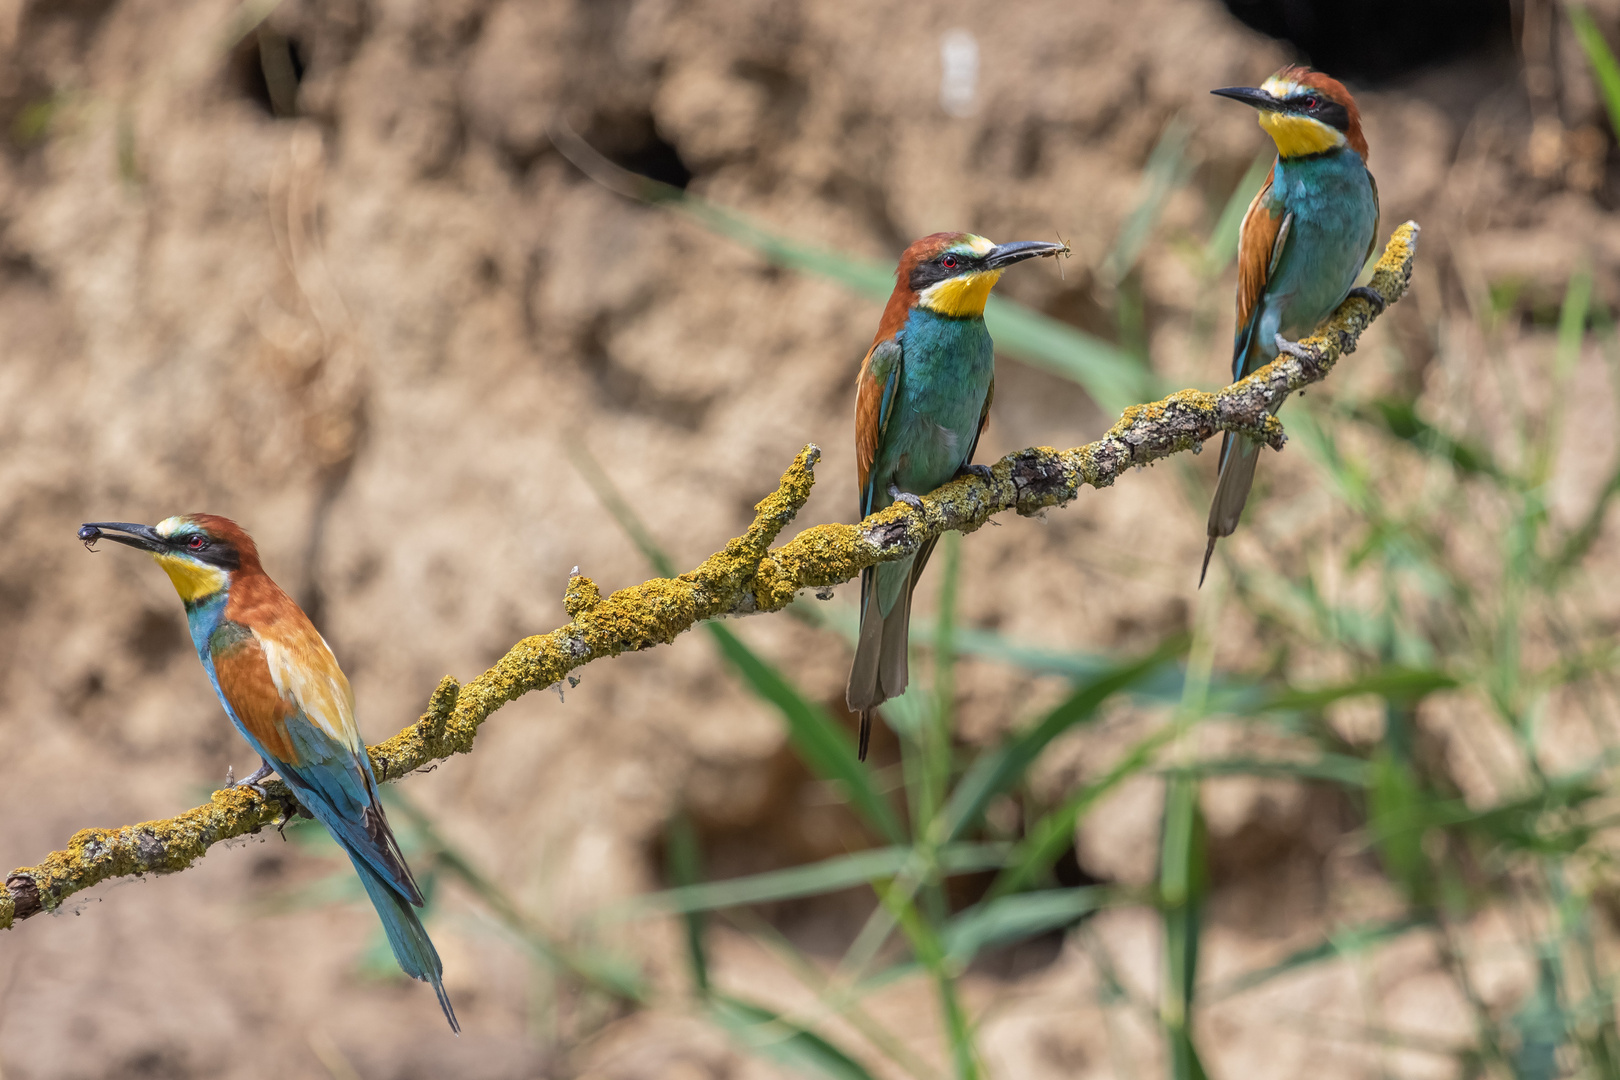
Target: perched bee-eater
1305,238
922,398
285,693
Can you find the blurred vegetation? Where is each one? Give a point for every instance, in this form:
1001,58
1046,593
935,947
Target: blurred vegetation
1424,625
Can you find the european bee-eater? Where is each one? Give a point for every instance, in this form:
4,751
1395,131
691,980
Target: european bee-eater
1305,238
283,689
922,398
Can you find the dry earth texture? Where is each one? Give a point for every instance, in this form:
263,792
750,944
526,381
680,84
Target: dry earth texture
376,333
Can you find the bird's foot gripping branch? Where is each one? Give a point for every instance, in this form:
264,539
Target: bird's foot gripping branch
745,577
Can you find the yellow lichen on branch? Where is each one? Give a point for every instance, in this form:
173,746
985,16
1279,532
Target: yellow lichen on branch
745,577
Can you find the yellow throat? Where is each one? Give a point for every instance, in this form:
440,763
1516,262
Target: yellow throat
191,580
1299,136
960,297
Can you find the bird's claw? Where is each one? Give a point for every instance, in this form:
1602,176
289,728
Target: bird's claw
905,497
1293,348
259,774
983,472
1372,296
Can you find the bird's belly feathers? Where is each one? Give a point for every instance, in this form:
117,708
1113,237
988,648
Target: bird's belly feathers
945,379
1335,213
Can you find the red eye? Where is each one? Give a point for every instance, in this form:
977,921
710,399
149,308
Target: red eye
948,262
197,543
1311,103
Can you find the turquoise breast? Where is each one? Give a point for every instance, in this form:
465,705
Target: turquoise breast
945,376
1335,213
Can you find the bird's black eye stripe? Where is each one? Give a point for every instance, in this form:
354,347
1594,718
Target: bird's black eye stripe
208,549
946,265
1328,111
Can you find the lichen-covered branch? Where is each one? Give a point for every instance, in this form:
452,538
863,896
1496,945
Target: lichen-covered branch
746,576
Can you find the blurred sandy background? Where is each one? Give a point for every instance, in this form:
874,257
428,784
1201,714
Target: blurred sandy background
369,331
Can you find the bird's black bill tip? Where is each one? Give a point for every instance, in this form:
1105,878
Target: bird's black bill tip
123,532
1249,95
1003,255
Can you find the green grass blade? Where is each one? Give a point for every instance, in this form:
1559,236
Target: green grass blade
1571,335
910,716
1581,538
1347,941
685,864
1183,880
1604,66
1542,1027
996,771
1334,768
1007,919
964,1053
826,746
1167,169
605,973
1400,418
812,879
843,1002
1164,684
930,951
1397,821
1051,834
872,280
938,735
1112,378
769,1034
1222,246
1393,683
614,502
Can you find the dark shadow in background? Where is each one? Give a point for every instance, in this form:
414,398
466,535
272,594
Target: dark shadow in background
1371,41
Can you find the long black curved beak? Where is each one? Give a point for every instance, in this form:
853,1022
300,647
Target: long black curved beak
1006,254
1250,95
136,536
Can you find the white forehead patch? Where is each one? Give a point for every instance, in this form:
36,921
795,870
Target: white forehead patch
980,245
1280,88
166,527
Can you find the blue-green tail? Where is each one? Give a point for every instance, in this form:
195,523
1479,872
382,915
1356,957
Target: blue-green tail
415,952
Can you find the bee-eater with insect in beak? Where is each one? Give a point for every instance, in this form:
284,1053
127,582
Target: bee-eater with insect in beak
285,693
1305,238
922,399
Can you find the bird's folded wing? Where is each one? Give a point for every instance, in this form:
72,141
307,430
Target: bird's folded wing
1260,246
1378,219
247,686
289,693
874,406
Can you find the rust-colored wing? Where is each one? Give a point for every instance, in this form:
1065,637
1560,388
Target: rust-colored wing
1260,245
288,692
247,685
875,390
